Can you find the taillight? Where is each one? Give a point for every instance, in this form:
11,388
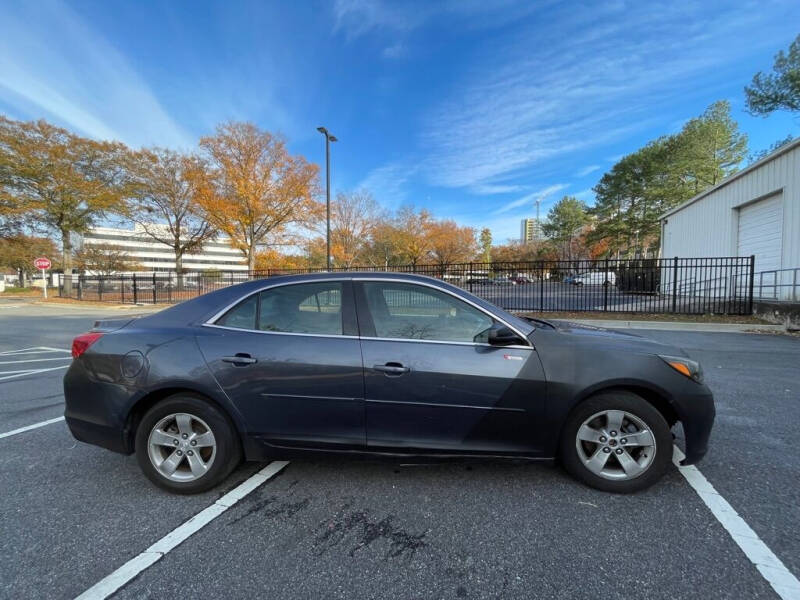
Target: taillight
81,343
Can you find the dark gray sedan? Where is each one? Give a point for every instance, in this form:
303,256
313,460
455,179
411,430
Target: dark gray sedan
378,364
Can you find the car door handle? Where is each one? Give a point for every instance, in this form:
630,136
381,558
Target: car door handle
239,359
392,368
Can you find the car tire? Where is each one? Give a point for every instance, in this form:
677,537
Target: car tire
579,457
180,420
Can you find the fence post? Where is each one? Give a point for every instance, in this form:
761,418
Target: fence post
675,285
541,286
135,292
470,276
169,289
80,286
154,287
122,288
752,280
100,288
605,289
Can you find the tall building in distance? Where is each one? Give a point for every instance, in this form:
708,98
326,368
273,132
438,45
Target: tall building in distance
530,230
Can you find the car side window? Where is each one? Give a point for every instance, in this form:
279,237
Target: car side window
409,311
314,308
241,316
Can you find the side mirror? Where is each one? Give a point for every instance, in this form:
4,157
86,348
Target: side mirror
500,335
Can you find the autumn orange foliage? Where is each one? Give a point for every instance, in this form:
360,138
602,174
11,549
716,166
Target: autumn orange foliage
253,190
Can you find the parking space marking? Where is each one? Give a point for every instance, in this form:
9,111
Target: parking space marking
770,566
113,582
33,350
30,360
20,357
29,427
31,372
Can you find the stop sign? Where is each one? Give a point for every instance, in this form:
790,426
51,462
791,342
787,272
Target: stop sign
42,263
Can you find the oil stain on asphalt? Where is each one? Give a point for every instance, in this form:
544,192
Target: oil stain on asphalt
359,527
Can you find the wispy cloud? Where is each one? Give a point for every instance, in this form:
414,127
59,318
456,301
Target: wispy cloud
388,183
397,50
358,17
587,170
488,189
529,199
585,84
77,78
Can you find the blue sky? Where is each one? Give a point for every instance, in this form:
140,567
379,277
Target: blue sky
470,108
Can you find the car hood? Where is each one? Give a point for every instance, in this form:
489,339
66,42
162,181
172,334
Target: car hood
612,339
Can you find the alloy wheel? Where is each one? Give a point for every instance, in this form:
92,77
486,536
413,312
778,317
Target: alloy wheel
615,444
182,447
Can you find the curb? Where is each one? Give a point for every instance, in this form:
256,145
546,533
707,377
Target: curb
681,326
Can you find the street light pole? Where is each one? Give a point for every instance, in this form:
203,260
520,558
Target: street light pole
328,139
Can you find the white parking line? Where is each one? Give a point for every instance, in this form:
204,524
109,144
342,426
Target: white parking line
20,355
33,350
29,427
113,582
16,353
770,566
30,372
30,360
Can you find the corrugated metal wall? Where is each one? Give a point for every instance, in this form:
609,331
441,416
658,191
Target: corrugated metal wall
709,226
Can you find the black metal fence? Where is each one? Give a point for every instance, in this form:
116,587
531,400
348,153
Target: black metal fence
719,285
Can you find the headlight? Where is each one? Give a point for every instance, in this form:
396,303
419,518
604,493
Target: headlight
685,366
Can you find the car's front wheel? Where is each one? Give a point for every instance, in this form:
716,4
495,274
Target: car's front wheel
186,445
616,442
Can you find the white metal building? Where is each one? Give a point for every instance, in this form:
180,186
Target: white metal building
755,211
154,256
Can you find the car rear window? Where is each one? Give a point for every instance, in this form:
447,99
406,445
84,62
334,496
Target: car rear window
241,316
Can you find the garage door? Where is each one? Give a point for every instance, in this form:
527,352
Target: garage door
760,227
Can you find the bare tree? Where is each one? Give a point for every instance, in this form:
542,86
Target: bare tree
353,217
163,202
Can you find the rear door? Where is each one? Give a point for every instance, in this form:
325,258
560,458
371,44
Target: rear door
433,383
289,358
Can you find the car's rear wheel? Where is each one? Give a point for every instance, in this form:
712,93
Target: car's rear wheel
186,445
616,442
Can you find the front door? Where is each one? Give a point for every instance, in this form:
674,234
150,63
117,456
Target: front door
289,358
431,380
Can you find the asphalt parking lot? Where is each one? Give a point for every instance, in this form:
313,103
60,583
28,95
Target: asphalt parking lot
71,514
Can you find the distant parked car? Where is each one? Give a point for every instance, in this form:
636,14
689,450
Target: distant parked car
569,279
520,279
595,278
502,281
